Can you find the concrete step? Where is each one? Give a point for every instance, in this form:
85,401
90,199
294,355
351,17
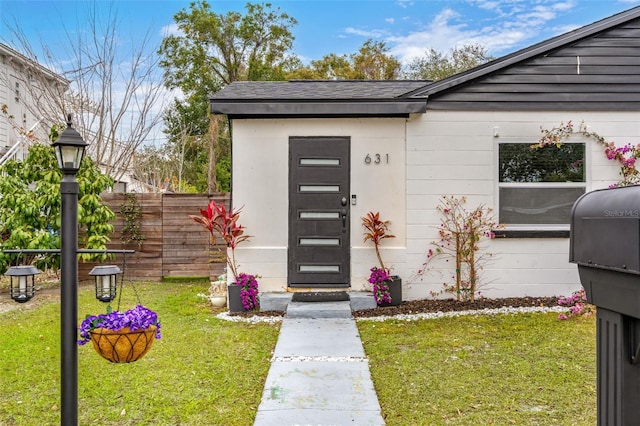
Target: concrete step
275,301
279,301
318,310
320,296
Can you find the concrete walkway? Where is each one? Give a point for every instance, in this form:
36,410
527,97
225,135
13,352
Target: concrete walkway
319,373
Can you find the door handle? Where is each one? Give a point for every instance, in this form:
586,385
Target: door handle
344,219
343,201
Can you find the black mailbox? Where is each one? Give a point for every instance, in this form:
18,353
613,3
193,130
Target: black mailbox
605,244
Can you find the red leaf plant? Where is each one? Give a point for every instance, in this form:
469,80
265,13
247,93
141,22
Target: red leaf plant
218,221
378,230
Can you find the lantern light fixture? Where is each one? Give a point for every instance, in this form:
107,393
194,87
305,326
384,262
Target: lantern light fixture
22,282
69,149
106,277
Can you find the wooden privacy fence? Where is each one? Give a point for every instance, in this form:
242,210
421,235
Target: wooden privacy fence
174,245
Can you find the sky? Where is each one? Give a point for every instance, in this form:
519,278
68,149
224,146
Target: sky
408,27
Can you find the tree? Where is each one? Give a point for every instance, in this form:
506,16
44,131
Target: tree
213,50
436,65
330,67
184,159
30,207
460,234
115,92
371,62
152,166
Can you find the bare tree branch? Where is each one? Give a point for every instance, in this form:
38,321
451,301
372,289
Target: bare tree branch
115,94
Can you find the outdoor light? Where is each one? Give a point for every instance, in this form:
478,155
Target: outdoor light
69,149
106,280
22,282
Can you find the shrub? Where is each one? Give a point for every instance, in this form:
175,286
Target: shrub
577,305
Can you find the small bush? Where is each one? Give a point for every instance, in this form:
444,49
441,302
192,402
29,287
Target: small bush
577,305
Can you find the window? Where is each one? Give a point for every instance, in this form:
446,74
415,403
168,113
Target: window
538,186
120,187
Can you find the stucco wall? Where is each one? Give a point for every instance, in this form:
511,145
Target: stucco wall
260,187
455,153
430,155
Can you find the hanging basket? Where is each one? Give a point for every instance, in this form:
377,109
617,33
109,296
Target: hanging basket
123,345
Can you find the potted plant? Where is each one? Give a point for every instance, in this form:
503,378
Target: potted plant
247,289
121,336
218,221
387,289
218,292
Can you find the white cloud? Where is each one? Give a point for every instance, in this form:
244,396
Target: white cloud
564,6
488,5
404,3
508,25
365,33
171,29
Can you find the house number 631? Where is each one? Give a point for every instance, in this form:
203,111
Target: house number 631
376,159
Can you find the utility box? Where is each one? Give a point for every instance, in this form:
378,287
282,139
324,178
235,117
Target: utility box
605,244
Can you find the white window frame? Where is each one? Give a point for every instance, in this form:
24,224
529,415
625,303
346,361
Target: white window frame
539,227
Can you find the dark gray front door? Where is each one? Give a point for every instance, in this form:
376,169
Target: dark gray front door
319,254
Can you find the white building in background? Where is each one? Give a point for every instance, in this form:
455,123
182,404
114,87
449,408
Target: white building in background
16,81
19,80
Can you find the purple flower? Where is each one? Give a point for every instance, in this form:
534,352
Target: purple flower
249,291
577,305
378,275
380,279
138,318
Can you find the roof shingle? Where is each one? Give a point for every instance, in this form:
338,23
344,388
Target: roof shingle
318,89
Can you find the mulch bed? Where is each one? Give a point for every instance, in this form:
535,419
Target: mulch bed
430,305
449,305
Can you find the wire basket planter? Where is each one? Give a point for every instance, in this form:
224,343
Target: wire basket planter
122,337
123,345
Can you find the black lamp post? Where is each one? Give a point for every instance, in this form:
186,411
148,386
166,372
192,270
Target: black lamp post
69,149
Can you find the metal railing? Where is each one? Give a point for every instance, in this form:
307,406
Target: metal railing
22,140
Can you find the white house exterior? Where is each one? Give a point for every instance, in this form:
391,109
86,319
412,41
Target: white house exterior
403,145
16,77
32,109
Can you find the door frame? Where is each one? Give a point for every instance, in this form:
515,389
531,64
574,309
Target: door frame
322,228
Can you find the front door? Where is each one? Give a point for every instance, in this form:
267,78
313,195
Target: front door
319,254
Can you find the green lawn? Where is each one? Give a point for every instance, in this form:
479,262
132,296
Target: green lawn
525,369
511,369
203,371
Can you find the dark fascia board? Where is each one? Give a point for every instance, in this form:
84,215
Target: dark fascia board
319,108
528,53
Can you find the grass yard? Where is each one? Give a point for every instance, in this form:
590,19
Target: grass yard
203,371
525,369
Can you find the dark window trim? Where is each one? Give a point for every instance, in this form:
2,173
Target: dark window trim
541,233
538,233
